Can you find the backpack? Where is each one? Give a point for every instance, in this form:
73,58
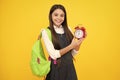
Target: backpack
39,63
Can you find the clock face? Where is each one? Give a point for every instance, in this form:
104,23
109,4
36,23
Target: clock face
79,34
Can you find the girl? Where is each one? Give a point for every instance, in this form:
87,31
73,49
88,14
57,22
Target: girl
63,46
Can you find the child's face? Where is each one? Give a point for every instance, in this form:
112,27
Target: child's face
58,17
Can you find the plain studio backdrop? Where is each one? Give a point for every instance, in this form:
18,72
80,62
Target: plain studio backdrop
22,20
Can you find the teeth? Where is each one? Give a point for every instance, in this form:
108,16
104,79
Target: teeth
58,21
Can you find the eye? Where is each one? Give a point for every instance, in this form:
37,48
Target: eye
62,15
55,14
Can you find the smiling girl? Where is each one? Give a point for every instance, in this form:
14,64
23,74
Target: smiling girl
63,46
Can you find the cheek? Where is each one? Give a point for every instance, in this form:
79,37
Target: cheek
53,18
63,18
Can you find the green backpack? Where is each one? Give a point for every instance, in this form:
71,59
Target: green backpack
40,66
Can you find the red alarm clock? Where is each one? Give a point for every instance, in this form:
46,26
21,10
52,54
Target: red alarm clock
79,32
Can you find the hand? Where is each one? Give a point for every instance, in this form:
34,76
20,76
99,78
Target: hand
81,40
78,47
75,42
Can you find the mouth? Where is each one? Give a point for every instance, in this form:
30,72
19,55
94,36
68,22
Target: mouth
58,21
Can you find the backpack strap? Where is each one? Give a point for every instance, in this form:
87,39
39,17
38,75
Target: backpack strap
49,33
44,48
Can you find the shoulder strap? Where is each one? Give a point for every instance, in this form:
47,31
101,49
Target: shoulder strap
44,48
48,33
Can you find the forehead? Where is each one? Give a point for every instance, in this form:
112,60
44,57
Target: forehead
59,11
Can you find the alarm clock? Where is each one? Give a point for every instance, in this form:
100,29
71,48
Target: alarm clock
79,32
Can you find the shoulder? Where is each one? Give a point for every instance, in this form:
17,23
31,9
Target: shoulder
44,30
46,33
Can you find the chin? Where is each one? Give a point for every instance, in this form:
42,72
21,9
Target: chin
58,24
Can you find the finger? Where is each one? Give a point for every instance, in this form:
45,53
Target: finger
81,40
73,39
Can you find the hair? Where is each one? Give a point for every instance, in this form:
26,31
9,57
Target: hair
64,24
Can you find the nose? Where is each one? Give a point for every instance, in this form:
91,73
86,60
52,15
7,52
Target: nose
59,17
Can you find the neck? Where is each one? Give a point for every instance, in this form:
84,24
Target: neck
57,26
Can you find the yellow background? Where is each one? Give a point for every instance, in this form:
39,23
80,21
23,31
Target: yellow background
20,24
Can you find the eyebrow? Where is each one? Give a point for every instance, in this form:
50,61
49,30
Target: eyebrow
58,13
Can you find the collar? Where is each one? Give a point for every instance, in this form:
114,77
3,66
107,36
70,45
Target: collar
59,30
55,27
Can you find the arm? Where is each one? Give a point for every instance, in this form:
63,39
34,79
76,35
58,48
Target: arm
65,50
54,54
76,49
74,44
